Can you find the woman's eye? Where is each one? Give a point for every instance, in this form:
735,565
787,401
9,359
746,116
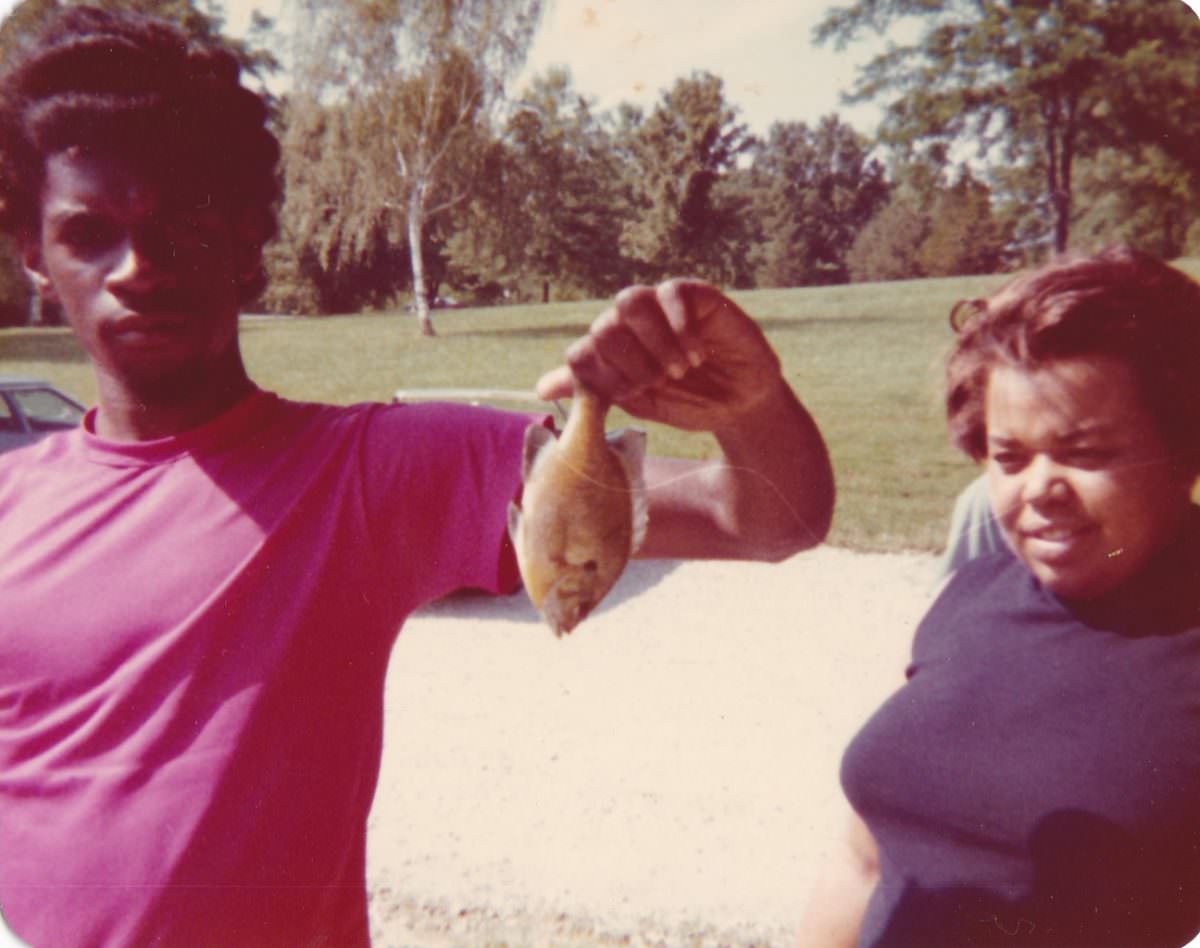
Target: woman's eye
1088,458
1008,461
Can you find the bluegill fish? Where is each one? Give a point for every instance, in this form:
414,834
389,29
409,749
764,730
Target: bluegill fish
582,512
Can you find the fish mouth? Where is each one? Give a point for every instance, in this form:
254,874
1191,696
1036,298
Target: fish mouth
564,609
564,615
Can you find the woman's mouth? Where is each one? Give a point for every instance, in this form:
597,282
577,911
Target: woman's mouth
1054,541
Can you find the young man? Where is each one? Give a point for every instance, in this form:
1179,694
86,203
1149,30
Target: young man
201,586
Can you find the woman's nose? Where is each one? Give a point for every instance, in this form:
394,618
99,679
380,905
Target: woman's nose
1046,482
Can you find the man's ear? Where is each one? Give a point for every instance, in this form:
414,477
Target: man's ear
35,269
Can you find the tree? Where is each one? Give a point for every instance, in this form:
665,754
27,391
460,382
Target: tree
886,248
549,209
1045,81
1142,198
201,18
421,76
677,157
927,229
964,237
816,190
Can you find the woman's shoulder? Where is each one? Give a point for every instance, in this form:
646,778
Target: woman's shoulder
981,597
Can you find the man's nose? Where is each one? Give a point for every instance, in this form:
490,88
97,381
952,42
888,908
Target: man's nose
144,262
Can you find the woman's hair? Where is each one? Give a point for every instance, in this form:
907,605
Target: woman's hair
142,88
1118,303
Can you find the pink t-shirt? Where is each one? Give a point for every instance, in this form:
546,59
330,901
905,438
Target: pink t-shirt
193,639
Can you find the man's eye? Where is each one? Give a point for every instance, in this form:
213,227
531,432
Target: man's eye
88,234
191,231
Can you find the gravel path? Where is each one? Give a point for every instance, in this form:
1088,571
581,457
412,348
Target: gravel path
667,775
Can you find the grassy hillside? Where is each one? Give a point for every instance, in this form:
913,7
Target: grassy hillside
864,358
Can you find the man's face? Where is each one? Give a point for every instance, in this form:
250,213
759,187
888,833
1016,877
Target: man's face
144,269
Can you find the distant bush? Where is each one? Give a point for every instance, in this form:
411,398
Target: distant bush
15,291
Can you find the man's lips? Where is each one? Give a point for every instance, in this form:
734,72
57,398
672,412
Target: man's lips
152,327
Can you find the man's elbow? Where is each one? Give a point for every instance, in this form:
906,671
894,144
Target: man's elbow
808,534
782,534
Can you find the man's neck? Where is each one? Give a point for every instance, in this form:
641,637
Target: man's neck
149,412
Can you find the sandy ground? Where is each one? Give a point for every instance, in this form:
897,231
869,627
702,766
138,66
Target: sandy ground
667,775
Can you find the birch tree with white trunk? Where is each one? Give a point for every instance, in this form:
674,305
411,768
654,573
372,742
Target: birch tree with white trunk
418,82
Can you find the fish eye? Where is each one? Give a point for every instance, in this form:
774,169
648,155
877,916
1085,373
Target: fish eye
591,566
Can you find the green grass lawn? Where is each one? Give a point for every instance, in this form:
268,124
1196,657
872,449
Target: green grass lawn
864,358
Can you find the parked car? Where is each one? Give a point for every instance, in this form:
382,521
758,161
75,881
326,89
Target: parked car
31,409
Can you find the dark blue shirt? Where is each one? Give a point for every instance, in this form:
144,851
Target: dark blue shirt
1037,779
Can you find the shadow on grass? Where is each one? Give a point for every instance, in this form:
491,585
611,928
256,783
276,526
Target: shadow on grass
801,323
575,330
639,577
560,331
40,346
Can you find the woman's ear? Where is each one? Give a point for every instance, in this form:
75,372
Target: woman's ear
35,269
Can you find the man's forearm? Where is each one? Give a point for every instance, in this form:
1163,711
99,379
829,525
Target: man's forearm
770,496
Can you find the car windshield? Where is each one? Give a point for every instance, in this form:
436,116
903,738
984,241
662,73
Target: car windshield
45,410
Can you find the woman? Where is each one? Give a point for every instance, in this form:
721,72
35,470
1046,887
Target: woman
1037,779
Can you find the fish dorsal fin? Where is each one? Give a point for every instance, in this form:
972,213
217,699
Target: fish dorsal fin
537,437
629,445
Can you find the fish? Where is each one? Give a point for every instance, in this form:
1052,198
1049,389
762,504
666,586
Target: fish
582,512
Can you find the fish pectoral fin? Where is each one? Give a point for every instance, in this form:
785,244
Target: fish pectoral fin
629,445
514,522
537,438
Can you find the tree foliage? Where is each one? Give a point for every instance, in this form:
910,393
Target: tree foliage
416,81
886,248
1036,83
549,208
964,237
816,189
928,230
677,156
1140,197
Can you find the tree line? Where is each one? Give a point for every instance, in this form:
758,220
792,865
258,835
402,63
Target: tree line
1011,129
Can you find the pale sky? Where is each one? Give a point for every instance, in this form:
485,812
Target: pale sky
631,50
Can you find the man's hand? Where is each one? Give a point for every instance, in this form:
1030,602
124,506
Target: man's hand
683,354
680,353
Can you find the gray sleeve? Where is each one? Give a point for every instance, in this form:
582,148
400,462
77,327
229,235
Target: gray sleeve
973,530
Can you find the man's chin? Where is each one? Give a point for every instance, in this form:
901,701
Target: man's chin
162,376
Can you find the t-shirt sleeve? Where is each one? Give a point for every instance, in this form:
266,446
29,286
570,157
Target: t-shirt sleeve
438,480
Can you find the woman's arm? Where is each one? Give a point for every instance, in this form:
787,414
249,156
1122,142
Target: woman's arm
835,909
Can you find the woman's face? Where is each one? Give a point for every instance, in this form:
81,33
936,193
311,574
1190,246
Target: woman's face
1080,479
